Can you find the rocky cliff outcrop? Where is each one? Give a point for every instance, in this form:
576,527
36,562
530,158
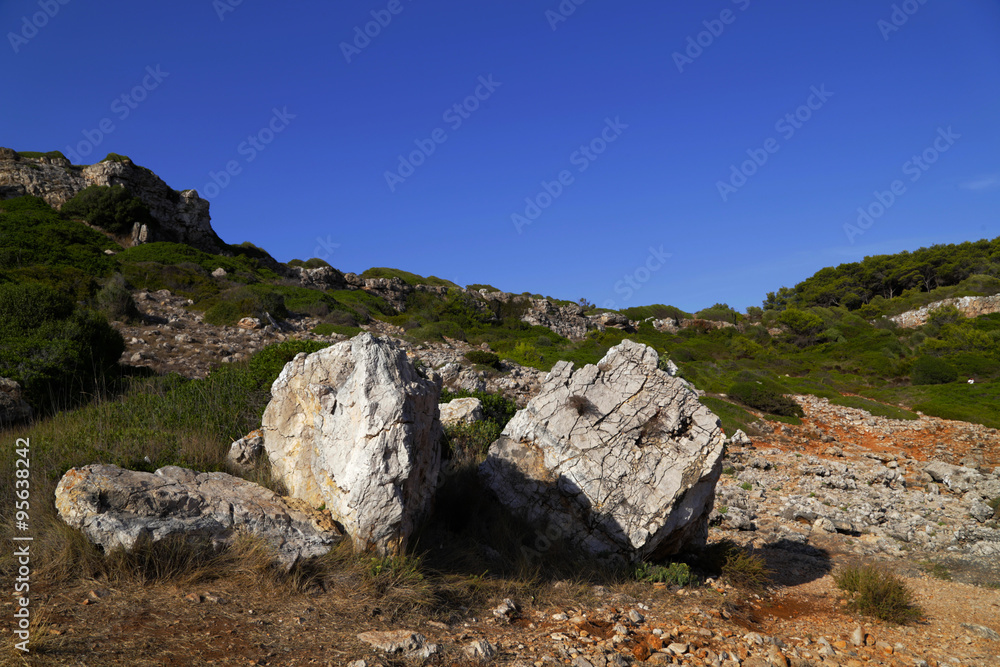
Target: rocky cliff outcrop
619,459
969,306
115,507
181,217
354,427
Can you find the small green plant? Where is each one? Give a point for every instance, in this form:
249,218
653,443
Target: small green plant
875,591
937,570
115,301
746,486
729,470
744,568
995,504
812,494
483,357
724,509
675,574
765,398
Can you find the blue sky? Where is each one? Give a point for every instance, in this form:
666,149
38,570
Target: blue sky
627,153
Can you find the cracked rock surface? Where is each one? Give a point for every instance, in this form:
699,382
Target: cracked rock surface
117,507
354,427
620,458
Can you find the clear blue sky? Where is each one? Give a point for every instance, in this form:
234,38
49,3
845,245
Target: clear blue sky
557,85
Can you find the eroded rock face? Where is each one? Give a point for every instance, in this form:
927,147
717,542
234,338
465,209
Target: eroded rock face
116,507
181,217
355,427
13,407
969,306
620,458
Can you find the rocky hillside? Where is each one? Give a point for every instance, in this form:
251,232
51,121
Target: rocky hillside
181,216
968,306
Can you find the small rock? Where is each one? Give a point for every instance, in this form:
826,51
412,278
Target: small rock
858,636
506,610
480,650
219,273
635,616
982,631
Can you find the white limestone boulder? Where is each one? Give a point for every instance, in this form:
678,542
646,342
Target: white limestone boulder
620,459
355,427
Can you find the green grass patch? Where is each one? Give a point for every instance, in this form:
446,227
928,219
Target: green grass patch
733,417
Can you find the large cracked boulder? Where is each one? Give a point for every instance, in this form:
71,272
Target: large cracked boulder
115,507
619,459
355,427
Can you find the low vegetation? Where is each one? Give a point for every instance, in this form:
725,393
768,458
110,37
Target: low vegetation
875,591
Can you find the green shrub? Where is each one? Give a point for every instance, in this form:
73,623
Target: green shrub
875,591
801,322
111,208
115,301
931,370
55,351
764,398
36,154
674,574
32,233
246,301
745,569
483,357
314,263
526,354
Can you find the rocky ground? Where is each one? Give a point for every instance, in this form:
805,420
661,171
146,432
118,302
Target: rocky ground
842,487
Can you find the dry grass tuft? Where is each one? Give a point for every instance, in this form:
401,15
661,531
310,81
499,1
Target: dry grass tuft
875,591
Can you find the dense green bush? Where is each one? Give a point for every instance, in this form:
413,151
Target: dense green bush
931,370
764,398
115,301
482,357
52,349
246,301
111,208
313,263
32,233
